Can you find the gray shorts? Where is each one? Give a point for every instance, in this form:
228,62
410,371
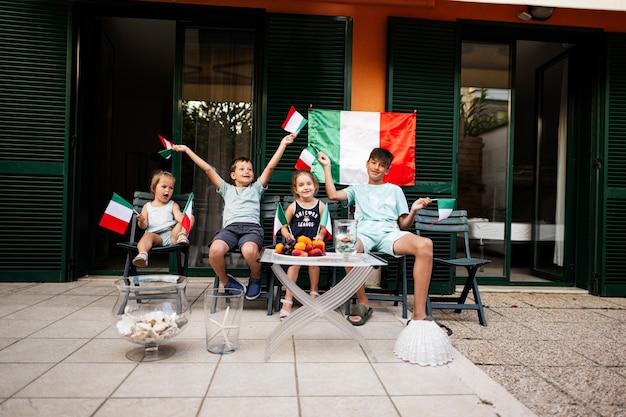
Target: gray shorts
236,234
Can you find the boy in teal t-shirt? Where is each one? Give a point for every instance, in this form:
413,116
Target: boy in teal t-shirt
241,222
383,217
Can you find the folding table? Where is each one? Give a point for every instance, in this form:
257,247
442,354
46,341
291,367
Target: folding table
324,306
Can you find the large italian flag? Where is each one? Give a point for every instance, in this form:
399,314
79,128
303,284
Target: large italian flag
348,137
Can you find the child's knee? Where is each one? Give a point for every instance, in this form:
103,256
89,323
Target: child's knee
424,246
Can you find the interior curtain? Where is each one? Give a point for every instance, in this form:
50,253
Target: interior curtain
559,214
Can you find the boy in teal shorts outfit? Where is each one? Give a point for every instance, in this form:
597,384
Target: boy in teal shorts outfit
383,217
241,221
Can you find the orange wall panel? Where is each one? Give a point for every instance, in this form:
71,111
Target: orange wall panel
370,29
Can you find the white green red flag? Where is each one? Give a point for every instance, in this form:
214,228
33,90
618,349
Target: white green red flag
117,215
306,159
168,145
445,206
294,121
279,221
187,214
348,137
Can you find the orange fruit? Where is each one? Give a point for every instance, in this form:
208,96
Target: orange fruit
279,248
300,246
318,244
304,239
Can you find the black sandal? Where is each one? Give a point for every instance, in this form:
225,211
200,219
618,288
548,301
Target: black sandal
443,326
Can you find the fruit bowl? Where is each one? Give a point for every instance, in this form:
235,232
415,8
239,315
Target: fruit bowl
151,311
303,246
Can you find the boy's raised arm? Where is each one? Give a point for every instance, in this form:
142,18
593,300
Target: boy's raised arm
215,178
331,190
264,178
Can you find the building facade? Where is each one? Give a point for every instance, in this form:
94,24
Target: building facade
520,120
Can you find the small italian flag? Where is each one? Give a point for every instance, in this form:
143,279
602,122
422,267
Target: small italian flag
327,223
306,159
348,137
279,221
117,215
294,121
168,145
187,214
445,207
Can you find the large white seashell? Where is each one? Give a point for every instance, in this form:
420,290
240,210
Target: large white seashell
424,343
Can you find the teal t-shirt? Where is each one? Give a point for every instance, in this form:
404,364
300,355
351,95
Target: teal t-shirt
241,204
377,207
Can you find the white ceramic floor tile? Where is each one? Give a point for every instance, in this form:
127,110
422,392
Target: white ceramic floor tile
103,351
253,350
78,380
409,379
40,350
150,407
21,328
73,329
57,407
272,380
338,379
161,379
329,351
250,407
15,376
443,406
42,312
333,406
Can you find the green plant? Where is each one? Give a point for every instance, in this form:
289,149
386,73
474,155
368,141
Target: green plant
478,116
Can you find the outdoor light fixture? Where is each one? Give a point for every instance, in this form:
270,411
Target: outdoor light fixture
539,13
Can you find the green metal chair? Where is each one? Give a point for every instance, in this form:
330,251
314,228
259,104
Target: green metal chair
456,224
181,251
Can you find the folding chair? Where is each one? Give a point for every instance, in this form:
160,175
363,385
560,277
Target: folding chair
173,291
456,223
182,251
268,211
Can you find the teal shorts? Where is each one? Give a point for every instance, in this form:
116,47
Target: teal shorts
376,243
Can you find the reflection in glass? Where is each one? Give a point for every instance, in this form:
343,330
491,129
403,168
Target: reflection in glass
484,148
216,119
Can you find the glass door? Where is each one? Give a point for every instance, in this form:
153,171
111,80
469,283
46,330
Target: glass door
548,249
217,110
484,147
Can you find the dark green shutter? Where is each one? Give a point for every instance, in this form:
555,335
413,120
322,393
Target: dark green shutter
422,71
613,280
33,132
308,61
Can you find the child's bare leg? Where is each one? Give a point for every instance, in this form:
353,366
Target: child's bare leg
250,252
287,302
314,280
422,248
148,240
217,252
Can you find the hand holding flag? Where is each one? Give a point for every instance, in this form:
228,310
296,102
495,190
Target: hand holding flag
294,121
168,145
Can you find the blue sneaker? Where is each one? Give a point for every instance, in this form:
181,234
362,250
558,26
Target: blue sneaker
254,289
234,284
